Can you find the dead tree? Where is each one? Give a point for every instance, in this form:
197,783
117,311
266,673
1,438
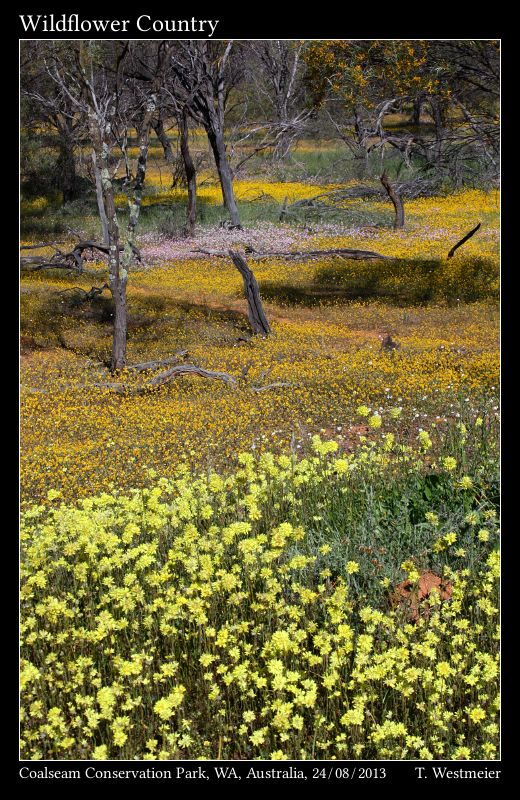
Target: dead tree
153,69
276,72
91,75
100,101
149,98
396,200
256,313
99,198
44,103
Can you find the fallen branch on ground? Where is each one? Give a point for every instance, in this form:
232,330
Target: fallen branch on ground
161,379
95,291
418,187
72,260
145,365
276,385
342,252
190,369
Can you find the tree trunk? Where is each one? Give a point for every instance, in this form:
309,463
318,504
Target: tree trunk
191,175
256,312
66,166
99,127
415,116
438,119
284,138
360,164
163,138
117,275
396,200
99,197
216,139
120,324
143,141
361,154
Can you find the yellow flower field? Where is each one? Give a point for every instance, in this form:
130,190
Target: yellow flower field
201,619
260,486
80,437
210,571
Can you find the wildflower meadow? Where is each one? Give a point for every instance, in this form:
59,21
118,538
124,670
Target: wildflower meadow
292,551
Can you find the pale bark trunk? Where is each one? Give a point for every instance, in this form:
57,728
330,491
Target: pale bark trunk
117,276
99,197
120,325
100,133
142,159
360,154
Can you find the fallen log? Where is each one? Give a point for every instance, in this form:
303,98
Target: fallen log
464,239
26,262
163,378
341,252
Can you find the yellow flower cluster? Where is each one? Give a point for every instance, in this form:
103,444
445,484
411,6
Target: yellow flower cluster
211,192
192,620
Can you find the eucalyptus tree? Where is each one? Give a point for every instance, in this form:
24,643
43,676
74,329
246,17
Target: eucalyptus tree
95,79
90,74
358,84
43,103
201,76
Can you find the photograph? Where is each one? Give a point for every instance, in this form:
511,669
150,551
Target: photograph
259,337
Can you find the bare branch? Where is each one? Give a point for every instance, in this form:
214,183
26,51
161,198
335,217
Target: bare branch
190,369
464,239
